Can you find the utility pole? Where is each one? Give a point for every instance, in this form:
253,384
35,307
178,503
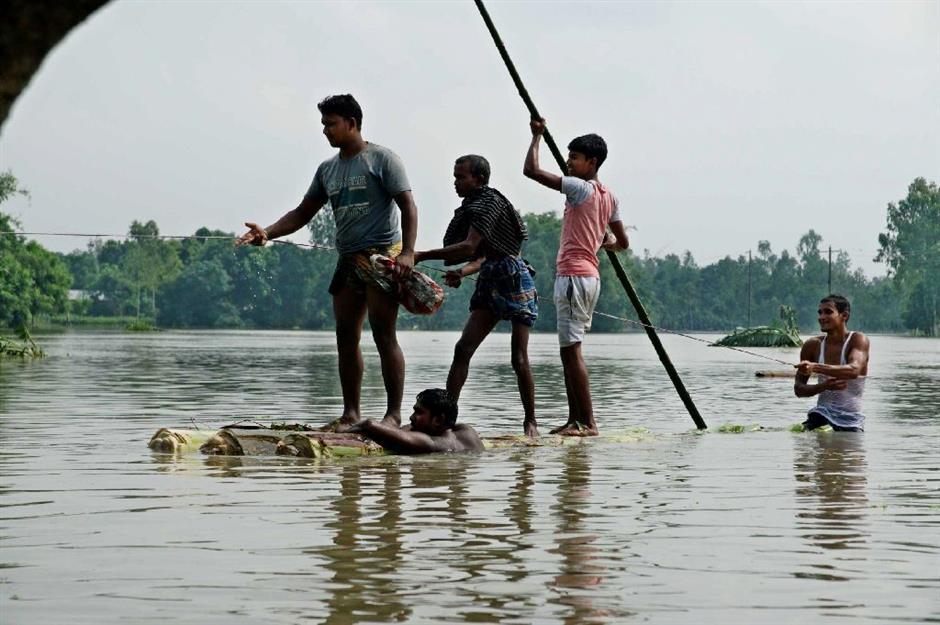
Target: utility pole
749,288
830,270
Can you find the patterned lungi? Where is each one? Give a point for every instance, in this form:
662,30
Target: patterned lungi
506,287
355,270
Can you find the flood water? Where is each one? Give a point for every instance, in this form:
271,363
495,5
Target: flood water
765,526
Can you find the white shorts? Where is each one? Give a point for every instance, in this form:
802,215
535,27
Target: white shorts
575,299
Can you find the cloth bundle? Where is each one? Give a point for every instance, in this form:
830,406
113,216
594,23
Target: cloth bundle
419,294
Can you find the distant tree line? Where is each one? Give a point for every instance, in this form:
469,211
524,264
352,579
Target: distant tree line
207,282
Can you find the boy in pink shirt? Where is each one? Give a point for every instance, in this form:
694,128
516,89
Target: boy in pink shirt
590,208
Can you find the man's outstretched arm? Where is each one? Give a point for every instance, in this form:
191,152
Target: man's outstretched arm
398,440
458,252
291,222
531,167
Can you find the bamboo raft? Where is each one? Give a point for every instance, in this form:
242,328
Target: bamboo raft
298,443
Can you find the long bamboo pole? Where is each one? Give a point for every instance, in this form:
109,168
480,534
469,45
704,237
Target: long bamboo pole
618,268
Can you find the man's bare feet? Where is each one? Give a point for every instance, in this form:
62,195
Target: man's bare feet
392,419
339,425
531,428
576,429
569,424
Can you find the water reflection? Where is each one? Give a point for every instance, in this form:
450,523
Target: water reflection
832,496
474,554
367,550
580,569
544,535
519,508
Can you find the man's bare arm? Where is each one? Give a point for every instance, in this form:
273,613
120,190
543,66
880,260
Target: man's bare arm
454,277
531,167
405,262
458,252
291,222
398,440
801,387
619,241
856,361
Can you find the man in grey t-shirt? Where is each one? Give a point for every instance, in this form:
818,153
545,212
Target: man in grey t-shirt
362,183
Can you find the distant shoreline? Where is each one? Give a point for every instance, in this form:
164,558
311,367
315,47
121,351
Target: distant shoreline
118,324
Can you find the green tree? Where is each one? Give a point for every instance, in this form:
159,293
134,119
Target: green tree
149,262
323,227
911,249
200,296
83,265
33,280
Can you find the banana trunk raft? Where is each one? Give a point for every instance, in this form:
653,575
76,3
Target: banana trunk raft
263,441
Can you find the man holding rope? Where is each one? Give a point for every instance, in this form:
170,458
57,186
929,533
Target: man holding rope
363,183
839,359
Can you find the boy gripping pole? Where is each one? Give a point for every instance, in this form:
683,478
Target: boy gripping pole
590,208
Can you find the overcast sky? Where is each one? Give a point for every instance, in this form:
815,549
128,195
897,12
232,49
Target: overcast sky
727,122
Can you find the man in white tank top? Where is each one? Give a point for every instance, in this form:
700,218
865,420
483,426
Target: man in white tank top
839,359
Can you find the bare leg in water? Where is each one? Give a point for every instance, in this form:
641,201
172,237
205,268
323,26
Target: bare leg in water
520,364
581,419
383,314
349,309
478,327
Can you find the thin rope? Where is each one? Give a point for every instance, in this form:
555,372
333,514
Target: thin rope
317,246
661,329
694,338
118,236
158,236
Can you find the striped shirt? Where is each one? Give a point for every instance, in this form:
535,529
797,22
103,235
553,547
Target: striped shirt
494,217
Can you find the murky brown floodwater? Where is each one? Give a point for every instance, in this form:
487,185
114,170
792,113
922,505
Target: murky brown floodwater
760,527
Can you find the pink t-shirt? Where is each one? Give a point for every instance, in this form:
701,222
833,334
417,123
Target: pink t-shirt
589,207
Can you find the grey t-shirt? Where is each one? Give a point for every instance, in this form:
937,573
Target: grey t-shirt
361,191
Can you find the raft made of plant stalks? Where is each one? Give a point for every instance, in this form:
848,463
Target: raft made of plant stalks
299,442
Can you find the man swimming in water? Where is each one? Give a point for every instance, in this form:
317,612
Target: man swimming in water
433,428
840,361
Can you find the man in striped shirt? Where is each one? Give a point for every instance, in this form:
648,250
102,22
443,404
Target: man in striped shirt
488,232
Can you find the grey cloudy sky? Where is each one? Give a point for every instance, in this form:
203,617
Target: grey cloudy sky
727,122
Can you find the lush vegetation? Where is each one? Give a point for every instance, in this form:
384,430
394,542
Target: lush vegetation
911,247
782,333
33,281
207,282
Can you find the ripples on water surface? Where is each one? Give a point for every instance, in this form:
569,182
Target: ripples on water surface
760,527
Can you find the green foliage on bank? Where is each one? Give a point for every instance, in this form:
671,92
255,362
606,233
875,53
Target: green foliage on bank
911,248
33,281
